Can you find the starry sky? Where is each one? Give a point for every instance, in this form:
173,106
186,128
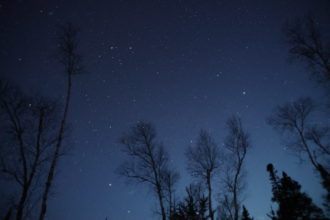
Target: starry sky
182,65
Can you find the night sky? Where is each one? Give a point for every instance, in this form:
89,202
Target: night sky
182,65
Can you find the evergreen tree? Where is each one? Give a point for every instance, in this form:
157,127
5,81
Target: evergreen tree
193,207
325,175
292,203
246,214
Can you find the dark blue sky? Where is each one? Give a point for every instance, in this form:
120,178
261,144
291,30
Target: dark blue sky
182,65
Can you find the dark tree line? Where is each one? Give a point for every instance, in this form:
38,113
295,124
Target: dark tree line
304,136
34,129
194,205
148,164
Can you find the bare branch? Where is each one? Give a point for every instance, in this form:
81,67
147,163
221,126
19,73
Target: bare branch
148,160
307,43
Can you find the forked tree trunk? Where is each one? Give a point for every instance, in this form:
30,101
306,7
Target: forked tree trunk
27,184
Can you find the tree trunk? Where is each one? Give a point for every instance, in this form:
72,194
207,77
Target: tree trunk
235,203
27,185
8,215
21,203
161,203
170,203
235,190
51,173
210,196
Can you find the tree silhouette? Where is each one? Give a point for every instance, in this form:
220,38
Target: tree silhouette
70,58
148,161
246,214
28,125
308,138
326,185
170,178
203,162
292,203
308,44
237,143
193,206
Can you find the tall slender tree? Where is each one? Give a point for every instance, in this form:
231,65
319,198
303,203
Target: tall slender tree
237,143
148,161
203,161
70,58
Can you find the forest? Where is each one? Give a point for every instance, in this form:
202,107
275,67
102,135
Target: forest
37,136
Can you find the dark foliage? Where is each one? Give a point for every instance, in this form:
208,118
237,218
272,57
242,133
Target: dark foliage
193,207
325,175
292,203
246,214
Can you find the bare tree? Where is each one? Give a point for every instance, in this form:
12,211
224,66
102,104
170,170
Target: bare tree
148,161
203,161
237,144
70,58
28,126
307,138
308,44
170,179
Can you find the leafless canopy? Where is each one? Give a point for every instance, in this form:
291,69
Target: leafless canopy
148,161
205,157
237,141
307,137
307,43
203,161
147,157
28,126
68,52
